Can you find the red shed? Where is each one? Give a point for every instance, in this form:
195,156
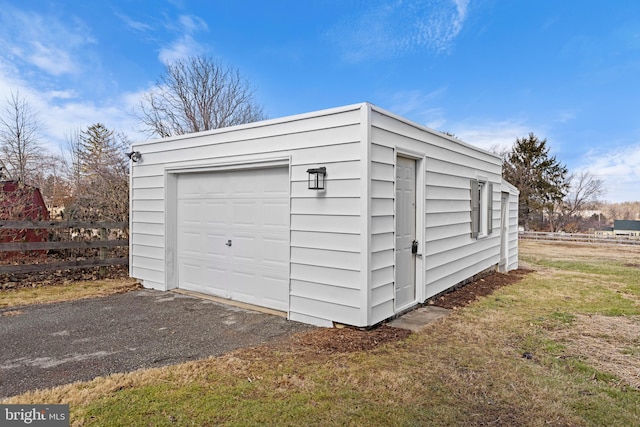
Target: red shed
21,202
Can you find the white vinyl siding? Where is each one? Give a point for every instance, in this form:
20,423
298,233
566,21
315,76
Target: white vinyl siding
324,228
341,240
450,255
382,180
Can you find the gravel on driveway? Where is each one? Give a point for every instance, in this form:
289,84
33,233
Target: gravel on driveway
42,346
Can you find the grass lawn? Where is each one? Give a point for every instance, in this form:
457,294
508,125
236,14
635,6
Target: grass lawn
577,316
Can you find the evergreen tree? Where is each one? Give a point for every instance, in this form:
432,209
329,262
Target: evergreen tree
101,183
100,151
540,178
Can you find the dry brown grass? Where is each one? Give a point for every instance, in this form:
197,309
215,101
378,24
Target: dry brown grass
67,292
610,253
611,344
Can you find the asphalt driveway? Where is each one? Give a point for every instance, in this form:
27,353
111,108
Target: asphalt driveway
54,344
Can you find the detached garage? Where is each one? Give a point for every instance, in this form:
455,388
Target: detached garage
349,215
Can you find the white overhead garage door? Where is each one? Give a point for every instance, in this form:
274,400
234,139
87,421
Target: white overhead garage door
233,235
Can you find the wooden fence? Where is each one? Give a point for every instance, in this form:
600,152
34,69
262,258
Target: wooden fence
580,238
102,244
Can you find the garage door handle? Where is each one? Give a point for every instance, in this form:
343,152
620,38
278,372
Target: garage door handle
228,243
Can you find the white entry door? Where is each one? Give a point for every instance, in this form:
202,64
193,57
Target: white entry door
405,287
233,235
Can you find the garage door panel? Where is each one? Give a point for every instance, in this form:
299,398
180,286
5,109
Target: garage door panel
215,192
190,273
244,283
274,185
244,183
275,214
216,246
248,207
275,252
214,280
212,212
192,242
244,249
276,291
245,213
188,211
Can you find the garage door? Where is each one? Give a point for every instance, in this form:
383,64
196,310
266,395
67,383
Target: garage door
233,235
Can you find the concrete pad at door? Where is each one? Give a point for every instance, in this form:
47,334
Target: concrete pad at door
420,318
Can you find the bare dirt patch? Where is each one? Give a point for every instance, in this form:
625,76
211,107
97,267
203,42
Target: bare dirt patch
60,277
467,294
611,344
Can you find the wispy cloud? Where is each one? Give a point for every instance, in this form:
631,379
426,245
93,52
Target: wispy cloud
619,169
192,23
185,44
133,24
181,48
43,41
420,107
496,136
424,108
65,117
391,28
63,111
564,116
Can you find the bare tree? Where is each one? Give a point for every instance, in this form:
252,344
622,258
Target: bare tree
584,191
197,94
50,179
19,137
71,153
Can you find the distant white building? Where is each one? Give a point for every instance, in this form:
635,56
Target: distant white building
626,227
589,213
349,215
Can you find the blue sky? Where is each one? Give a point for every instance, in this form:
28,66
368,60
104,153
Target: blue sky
489,71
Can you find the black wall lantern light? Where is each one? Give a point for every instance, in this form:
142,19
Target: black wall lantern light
135,156
317,178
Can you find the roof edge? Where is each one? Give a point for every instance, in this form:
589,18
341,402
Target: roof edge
267,122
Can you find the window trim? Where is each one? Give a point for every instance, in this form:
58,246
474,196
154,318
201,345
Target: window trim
481,208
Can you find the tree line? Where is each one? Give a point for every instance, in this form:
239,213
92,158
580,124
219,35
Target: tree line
551,198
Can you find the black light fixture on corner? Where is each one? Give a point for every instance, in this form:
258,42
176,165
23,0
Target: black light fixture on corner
135,156
317,178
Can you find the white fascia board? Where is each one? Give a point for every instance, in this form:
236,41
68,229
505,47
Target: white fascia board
268,122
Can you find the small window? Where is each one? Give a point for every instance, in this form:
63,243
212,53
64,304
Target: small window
481,208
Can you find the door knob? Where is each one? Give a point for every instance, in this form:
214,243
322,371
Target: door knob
228,242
